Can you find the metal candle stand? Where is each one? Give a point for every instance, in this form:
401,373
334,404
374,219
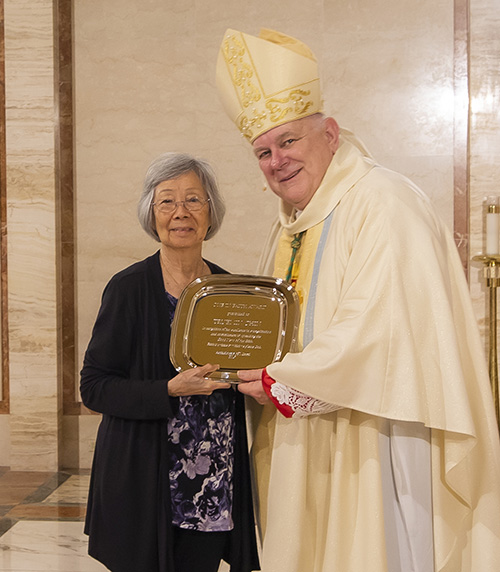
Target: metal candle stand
492,275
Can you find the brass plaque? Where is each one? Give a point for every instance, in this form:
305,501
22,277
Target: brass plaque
234,320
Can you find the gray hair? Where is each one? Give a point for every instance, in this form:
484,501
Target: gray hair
170,166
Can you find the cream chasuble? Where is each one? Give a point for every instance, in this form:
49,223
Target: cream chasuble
388,333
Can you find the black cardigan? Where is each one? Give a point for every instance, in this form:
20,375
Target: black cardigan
124,377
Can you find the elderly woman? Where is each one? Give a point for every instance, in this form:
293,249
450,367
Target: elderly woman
170,485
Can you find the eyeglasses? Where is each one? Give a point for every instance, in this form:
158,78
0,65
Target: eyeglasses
191,204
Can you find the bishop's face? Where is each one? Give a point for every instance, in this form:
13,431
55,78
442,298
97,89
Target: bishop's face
294,157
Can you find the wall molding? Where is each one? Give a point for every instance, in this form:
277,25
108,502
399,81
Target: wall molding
461,155
4,313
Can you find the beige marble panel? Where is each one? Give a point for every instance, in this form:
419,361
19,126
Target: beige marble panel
144,80
71,442
34,422
390,79
4,440
484,135
144,87
34,433
88,425
79,440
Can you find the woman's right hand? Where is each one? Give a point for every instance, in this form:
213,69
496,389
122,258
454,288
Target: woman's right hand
194,382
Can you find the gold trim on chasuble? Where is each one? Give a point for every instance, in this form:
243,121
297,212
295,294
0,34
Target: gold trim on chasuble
303,267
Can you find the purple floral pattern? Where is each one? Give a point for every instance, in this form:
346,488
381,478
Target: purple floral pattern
201,460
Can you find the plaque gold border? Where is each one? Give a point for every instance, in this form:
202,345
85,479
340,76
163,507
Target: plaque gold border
184,324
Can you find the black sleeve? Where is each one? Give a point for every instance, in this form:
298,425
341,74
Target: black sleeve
107,383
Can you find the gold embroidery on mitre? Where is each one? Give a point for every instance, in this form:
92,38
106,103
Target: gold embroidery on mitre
294,103
260,111
235,55
277,110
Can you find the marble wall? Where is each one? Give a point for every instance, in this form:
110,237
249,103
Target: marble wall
148,87
30,433
484,134
143,83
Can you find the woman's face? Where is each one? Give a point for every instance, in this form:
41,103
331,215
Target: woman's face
181,228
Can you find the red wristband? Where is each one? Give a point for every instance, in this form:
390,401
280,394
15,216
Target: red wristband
267,381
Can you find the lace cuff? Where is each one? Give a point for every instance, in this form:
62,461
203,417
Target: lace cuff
301,404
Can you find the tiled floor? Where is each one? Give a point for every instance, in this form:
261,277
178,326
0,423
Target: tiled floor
41,522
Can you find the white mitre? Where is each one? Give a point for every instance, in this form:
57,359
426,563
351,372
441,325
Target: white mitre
266,81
